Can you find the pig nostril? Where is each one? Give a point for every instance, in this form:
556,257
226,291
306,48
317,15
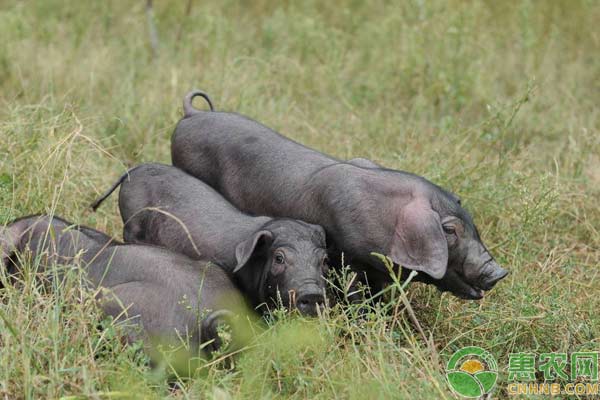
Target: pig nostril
309,303
491,281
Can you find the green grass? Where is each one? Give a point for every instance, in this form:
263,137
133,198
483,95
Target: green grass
494,100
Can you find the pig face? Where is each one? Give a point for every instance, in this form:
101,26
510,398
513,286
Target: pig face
471,268
436,235
289,260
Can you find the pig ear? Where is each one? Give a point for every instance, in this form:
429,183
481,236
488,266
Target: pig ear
246,249
8,244
419,242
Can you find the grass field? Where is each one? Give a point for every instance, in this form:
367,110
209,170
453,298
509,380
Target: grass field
497,101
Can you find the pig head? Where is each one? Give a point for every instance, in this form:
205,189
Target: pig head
419,225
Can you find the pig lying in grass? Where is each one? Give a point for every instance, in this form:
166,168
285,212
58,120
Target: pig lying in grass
271,259
168,296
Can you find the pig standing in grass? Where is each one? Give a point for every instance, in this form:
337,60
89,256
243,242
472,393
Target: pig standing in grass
272,260
364,208
167,295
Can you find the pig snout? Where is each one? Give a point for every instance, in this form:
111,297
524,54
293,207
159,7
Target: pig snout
309,301
492,274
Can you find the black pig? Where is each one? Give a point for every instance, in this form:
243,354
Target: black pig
270,259
166,294
364,208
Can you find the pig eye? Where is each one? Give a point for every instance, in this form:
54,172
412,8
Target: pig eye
279,258
449,229
278,263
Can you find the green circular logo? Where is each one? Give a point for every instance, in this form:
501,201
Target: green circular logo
472,371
